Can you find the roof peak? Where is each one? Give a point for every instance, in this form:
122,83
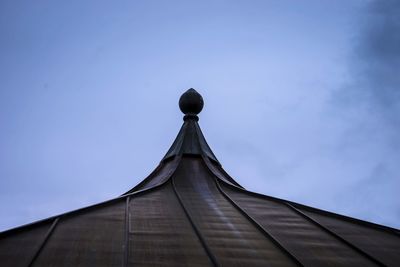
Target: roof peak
190,139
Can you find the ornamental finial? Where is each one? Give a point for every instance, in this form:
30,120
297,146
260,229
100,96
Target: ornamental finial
191,102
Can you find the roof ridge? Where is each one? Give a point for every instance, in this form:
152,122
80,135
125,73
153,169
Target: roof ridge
377,226
202,240
256,223
320,211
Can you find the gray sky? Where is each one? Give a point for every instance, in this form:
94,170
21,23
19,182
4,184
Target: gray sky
302,99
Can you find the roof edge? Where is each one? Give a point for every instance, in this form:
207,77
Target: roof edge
377,226
97,205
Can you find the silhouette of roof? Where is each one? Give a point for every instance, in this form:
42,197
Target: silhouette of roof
190,212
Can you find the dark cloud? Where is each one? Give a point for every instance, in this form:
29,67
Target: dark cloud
368,108
376,63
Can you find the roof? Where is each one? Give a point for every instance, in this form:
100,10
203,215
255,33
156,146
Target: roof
190,212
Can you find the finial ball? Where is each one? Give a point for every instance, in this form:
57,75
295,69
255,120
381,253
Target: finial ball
191,102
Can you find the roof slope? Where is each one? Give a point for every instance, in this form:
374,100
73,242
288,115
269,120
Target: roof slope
190,212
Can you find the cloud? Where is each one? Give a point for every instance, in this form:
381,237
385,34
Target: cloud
376,60
369,108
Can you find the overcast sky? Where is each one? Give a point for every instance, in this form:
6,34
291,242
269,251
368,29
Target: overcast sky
302,99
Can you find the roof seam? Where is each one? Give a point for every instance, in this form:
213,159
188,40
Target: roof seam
205,148
258,226
126,248
211,168
375,226
44,241
199,235
359,250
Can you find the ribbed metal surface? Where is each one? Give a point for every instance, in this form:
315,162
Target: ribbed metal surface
18,249
233,239
311,245
198,224
93,238
377,243
160,232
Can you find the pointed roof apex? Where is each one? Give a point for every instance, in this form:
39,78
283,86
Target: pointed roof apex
191,102
190,139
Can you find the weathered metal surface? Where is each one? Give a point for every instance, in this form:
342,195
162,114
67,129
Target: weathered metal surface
18,248
232,238
160,233
310,244
382,245
94,238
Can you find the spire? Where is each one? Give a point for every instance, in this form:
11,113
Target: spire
190,139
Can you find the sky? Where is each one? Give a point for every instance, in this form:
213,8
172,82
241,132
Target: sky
302,99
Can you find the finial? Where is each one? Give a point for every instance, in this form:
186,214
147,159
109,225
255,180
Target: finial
191,103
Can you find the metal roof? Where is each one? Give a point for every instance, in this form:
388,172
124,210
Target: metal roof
190,212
